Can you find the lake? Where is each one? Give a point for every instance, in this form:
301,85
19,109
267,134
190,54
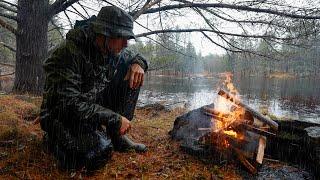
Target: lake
286,98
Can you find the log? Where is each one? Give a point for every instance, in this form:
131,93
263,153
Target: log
256,130
254,113
245,162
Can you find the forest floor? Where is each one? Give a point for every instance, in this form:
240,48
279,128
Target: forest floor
22,155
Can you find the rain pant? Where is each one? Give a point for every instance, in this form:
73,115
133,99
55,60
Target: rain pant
85,95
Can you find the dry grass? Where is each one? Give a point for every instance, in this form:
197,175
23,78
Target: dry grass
21,154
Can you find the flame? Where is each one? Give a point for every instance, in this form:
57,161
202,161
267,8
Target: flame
231,133
227,111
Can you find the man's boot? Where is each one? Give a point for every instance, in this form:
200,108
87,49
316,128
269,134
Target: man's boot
123,144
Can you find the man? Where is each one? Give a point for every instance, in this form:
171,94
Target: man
91,89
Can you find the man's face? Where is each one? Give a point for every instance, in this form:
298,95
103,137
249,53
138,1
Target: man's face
115,45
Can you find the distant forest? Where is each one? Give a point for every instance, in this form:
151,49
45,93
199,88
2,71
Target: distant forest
172,55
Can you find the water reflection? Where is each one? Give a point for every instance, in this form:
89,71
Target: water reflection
293,98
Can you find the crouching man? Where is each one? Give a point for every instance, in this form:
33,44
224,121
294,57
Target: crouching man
91,89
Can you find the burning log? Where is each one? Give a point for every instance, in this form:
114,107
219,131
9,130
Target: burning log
236,132
230,130
256,114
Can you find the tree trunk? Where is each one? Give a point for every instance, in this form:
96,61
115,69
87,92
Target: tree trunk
31,46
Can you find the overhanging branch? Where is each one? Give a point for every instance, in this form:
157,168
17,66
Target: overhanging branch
6,7
146,6
60,5
8,16
9,3
229,6
207,30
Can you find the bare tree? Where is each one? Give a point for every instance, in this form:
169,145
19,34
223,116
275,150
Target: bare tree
253,19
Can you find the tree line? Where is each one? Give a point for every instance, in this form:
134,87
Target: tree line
179,57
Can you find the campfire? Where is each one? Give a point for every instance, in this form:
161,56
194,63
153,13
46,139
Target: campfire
237,129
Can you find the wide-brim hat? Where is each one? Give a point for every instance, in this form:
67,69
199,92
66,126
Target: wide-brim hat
112,21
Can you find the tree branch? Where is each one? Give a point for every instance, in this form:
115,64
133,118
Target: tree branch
8,47
80,14
60,5
207,30
57,27
84,9
11,4
146,6
217,44
8,27
8,16
8,8
229,6
70,23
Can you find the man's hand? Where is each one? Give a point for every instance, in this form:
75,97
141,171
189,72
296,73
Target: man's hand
125,125
135,76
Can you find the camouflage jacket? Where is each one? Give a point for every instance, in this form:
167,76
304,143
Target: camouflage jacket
76,74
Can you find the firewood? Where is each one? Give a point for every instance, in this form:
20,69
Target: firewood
257,130
244,161
255,113
261,147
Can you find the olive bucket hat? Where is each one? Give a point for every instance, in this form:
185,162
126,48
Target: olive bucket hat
113,21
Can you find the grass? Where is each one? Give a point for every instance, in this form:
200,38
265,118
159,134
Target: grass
22,155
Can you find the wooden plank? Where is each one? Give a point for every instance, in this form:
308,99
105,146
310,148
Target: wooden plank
261,147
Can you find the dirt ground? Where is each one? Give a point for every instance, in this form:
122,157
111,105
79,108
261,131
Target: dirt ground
22,155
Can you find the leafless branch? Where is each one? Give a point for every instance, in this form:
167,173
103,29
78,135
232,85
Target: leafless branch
57,27
229,6
70,23
76,13
8,47
9,3
207,30
8,26
8,16
146,6
80,14
6,7
90,8
217,44
60,5
84,9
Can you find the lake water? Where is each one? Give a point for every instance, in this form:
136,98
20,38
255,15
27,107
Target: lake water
284,98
